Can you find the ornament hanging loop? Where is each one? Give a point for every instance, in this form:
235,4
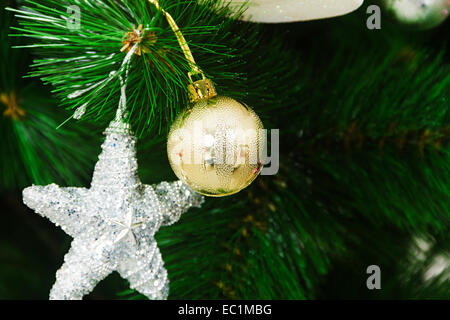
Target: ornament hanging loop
119,125
194,69
81,110
121,109
201,89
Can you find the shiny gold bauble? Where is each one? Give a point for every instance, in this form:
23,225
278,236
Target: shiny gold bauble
215,146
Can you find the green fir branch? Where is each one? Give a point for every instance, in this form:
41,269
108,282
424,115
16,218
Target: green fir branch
78,59
32,150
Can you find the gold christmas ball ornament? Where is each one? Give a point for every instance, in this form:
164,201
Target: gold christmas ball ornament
215,147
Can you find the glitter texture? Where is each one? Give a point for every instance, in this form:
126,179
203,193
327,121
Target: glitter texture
114,222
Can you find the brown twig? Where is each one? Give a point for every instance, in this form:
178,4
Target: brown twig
12,108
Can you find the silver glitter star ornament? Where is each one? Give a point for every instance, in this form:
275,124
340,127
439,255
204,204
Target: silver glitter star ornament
112,223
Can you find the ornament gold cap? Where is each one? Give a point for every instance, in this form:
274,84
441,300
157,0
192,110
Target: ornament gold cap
201,89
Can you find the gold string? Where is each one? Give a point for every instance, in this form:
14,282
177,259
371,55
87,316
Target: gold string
181,40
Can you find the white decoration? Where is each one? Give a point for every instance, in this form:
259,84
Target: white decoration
439,264
113,222
276,11
425,14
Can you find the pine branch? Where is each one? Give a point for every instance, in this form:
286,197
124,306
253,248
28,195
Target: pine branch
32,151
78,59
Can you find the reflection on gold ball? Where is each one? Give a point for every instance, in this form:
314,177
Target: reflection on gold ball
215,147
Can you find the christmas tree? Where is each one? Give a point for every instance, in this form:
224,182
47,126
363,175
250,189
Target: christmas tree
361,101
